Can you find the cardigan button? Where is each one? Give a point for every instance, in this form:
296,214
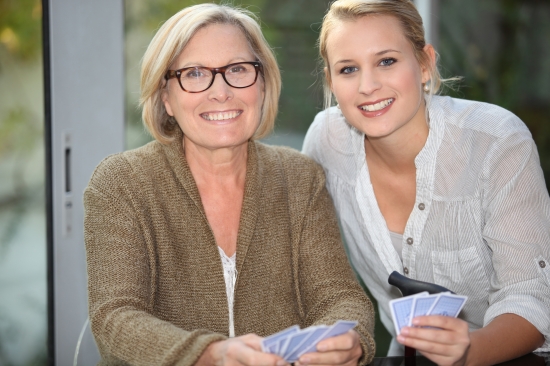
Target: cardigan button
421,206
406,270
410,241
542,264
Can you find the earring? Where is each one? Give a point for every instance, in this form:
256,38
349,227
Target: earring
337,105
426,88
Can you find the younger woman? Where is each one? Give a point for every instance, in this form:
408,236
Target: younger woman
440,189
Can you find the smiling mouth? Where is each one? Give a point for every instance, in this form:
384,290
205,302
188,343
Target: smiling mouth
378,106
219,116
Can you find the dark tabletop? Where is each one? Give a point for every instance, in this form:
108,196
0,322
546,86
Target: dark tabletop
539,359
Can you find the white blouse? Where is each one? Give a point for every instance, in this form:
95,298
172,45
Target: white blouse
230,277
481,221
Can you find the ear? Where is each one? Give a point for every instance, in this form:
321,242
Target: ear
327,77
165,100
427,69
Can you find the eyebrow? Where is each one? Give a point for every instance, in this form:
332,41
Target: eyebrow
196,64
380,53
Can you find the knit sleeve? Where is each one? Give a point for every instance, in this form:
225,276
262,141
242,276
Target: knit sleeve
328,289
121,279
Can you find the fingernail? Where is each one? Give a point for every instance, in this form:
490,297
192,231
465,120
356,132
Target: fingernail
304,360
400,338
416,321
322,348
281,363
405,331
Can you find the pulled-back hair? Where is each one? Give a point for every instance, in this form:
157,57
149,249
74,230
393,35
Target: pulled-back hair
169,42
403,10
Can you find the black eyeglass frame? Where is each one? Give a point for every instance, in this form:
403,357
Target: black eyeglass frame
214,70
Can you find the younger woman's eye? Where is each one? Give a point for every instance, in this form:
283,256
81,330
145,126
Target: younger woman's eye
387,62
348,70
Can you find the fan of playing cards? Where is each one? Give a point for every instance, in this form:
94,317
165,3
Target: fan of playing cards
293,342
403,310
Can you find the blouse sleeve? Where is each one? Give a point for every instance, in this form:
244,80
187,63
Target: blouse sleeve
517,229
328,290
120,284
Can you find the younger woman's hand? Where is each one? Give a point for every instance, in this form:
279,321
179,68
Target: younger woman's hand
343,350
239,351
446,346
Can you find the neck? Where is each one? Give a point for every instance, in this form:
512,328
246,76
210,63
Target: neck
217,166
397,151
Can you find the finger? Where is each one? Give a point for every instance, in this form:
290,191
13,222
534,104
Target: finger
252,340
439,336
338,357
247,356
324,358
344,341
438,321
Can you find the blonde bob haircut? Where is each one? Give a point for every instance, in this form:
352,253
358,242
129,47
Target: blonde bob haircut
169,42
406,14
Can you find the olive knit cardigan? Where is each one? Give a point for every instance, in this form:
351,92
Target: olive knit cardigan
155,278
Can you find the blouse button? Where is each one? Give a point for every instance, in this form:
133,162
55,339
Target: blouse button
421,206
542,264
410,241
406,270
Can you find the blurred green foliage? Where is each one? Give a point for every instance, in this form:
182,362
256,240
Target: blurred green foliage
20,28
20,47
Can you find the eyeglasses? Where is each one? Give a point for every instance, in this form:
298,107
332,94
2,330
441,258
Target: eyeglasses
197,79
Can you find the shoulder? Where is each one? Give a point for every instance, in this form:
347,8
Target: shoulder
332,142
485,118
127,166
328,133
291,161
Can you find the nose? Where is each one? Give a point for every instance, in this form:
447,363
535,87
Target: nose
369,82
219,90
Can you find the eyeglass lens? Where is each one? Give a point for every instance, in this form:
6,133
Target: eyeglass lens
198,79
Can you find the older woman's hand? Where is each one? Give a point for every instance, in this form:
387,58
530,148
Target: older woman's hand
343,350
239,351
447,345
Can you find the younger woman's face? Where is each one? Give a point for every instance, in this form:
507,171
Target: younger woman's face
375,76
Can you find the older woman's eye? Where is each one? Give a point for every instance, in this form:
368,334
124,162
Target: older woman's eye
348,70
194,74
238,69
387,62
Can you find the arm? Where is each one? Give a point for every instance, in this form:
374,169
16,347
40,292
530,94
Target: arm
517,218
121,283
507,337
328,288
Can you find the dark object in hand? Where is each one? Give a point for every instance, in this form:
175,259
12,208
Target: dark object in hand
408,286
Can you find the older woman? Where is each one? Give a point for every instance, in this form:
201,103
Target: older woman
204,240
441,189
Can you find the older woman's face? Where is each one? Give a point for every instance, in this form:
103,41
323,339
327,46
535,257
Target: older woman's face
221,116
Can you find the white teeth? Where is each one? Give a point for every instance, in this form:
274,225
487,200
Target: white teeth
220,115
378,106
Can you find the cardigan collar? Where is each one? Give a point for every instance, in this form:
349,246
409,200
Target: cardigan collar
252,191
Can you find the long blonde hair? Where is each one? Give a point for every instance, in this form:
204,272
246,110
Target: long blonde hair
169,42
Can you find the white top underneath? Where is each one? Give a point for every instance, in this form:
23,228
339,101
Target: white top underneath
230,276
397,241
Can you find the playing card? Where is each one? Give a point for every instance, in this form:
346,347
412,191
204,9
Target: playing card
310,343
294,344
447,304
269,343
338,328
421,305
401,312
